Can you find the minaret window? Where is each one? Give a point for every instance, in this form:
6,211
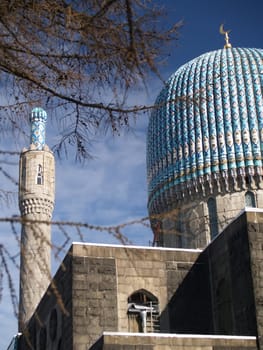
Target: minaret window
250,200
23,174
212,213
143,312
39,175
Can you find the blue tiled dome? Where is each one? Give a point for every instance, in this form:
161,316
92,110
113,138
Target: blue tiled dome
206,134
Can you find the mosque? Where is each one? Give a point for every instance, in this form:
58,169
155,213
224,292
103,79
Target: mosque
201,284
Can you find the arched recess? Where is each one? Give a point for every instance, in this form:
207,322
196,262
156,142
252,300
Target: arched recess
212,213
250,200
40,175
143,312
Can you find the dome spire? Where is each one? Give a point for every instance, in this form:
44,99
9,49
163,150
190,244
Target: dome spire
225,33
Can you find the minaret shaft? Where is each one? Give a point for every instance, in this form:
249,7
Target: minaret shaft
36,203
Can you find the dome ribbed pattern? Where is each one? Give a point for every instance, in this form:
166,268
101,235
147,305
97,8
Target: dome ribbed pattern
206,133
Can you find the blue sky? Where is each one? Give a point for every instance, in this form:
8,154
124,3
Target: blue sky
111,188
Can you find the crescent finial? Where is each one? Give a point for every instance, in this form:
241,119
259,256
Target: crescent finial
225,33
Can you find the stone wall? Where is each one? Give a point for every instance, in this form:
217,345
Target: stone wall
217,295
217,291
188,226
94,298
255,234
190,307
230,274
50,327
91,289
105,276
115,341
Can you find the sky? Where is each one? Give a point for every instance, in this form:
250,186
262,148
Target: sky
111,188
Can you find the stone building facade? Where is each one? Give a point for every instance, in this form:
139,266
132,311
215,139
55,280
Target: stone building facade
194,299
97,284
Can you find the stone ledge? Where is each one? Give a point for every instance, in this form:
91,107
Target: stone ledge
182,340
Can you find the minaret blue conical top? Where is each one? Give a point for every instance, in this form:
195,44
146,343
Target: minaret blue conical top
38,130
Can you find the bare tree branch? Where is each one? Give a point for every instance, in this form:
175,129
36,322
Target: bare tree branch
80,59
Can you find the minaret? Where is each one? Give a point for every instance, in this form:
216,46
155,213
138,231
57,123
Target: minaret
36,203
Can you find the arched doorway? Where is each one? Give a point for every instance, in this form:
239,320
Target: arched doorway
143,312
